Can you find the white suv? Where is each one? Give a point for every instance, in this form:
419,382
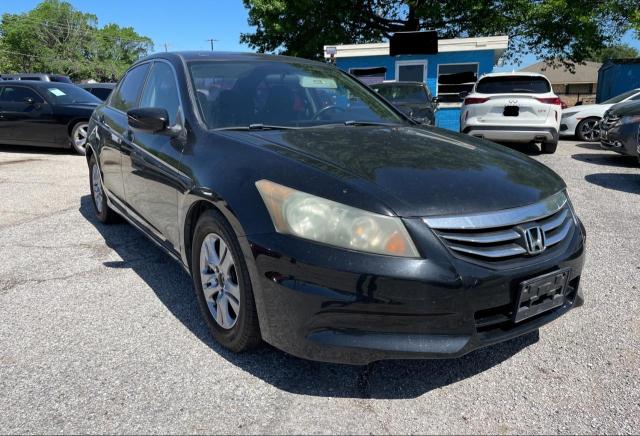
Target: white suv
513,107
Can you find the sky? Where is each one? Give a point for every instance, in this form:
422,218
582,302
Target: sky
188,24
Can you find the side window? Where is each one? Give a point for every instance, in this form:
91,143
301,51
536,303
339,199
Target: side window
19,94
161,91
126,96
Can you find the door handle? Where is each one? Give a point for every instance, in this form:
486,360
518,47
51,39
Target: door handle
129,136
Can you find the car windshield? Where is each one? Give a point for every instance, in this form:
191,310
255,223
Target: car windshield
618,98
404,93
278,94
513,84
62,93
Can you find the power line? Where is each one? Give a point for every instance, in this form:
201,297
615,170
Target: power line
81,31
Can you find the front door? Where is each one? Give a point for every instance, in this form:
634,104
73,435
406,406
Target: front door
25,117
152,180
411,71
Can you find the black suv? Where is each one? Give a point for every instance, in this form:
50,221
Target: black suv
313,215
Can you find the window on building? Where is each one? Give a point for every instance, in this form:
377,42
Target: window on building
369,75
454,79
579,88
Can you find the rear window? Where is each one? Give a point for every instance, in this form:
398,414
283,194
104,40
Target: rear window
404,93
511,84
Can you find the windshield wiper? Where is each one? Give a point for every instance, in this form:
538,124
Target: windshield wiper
258,126
367,123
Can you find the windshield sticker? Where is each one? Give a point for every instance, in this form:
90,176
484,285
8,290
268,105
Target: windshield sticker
317,82
56,92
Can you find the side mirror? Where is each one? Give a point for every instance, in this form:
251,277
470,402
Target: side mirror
435,100
149,119
29,100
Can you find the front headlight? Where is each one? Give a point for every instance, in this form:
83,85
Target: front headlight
568,114
321,220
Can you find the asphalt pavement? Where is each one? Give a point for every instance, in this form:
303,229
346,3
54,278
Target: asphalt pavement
100,332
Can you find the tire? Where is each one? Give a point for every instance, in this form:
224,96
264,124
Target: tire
588,129
549,147
78,137
98,197
227,305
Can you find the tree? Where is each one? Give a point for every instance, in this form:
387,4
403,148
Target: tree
56,38
550,29
616,51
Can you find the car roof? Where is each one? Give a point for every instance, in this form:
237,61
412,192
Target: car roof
190,56
96,85
514,73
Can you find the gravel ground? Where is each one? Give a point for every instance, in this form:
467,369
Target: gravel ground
100,333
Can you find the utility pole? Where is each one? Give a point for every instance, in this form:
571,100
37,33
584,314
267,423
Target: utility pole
211,40
166,46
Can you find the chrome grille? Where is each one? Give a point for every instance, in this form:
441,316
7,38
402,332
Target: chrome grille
500,235
609,121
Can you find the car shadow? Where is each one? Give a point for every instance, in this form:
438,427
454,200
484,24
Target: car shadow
629,183
589,145
612,159
27,149
385,379
527,148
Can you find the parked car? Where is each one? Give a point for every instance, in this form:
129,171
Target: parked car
412,98
620,128
46,114
37,76
584,121
314,215
513,107
100,90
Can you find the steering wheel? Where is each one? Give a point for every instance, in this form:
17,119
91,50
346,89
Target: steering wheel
326,109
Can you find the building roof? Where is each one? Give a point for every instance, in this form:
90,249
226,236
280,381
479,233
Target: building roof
559,75
497,43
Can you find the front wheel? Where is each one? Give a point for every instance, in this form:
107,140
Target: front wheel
78,138
549,147
222,284
589,129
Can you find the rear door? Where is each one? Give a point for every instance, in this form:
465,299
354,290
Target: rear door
512,100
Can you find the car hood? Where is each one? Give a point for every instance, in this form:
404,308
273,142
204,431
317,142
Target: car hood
422,171
90,106
625,108
591,108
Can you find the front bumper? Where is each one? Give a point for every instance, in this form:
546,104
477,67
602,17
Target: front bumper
333,305
513,133
621,138
568,125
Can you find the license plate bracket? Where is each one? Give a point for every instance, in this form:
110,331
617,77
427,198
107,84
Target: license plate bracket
541,294
511,111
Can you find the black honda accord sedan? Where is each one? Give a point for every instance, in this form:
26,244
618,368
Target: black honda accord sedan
45,114
313,215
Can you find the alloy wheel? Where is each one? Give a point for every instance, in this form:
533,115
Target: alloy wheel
219,281
96,183
590,130
79,136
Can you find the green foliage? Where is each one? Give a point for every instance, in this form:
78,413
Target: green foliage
56,38
616,51
550,29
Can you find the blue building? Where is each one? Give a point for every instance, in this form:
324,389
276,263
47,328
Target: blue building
454,69
617,76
